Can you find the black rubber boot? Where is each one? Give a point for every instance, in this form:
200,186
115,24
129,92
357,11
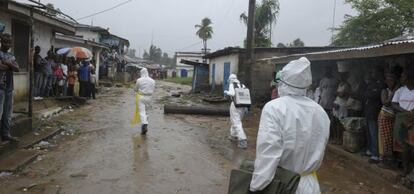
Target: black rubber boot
144,129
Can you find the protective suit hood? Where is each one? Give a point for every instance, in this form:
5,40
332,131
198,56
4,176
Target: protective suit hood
295,78
233,79
144,72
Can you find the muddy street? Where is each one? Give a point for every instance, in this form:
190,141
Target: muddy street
180,154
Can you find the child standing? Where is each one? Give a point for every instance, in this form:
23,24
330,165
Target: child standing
73,74
93,84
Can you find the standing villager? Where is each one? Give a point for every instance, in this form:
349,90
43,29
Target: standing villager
38,63
64,82
73,76
313,92
286,141
93,84
144,89
8,65
273,86
356,96
386,118
91,69
58,77
236,113
328,86
343,91
84,77
403,104
373,106
340,110
48,75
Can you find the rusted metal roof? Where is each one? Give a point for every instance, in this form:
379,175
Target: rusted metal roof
377,50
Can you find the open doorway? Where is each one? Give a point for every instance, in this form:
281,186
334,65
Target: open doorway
21,41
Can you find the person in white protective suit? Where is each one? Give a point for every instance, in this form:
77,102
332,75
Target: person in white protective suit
236,114
144,87
293,132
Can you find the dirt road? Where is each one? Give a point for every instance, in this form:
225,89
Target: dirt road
181,154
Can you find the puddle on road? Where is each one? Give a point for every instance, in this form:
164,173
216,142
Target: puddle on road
141,156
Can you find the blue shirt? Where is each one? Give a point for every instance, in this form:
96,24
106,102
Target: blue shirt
6,77
47,69
84,73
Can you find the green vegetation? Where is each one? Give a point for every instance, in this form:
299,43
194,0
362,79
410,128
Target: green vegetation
156,55
181,80
376,21
266,15
205,31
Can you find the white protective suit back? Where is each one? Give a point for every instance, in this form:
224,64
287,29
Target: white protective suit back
236,114
145,85
293,132
233,80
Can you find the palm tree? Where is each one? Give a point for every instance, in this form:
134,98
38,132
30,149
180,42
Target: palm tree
205,32
265,17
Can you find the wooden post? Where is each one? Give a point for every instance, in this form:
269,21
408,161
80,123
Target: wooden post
250,43
31,65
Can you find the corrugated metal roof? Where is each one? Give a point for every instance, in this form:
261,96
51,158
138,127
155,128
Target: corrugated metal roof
409,36
362,48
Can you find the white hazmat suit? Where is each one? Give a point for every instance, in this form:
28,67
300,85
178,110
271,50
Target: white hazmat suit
145,87
293,132
236,114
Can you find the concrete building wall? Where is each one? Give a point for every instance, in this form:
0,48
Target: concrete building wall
21,87
261,78
219,62
44,37
189,68
88,35
190,58
6,19
63,43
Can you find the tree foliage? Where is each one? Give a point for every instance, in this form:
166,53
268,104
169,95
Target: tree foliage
376,21
205,31
297,43
145,55
281,45
266,15
155,55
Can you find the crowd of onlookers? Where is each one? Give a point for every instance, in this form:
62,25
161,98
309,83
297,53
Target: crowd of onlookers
383,96
58,75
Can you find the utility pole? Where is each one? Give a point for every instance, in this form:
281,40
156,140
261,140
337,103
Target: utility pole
333,22
250,43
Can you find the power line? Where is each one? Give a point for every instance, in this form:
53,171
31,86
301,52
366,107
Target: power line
189,46
109,9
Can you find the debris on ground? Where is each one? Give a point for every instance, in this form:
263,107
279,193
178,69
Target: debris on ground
79,175
193,110
177,95
43,145
214,99
43,187
38,98
4,174
39,158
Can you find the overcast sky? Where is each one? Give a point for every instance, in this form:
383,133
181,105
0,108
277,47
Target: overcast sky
172,21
